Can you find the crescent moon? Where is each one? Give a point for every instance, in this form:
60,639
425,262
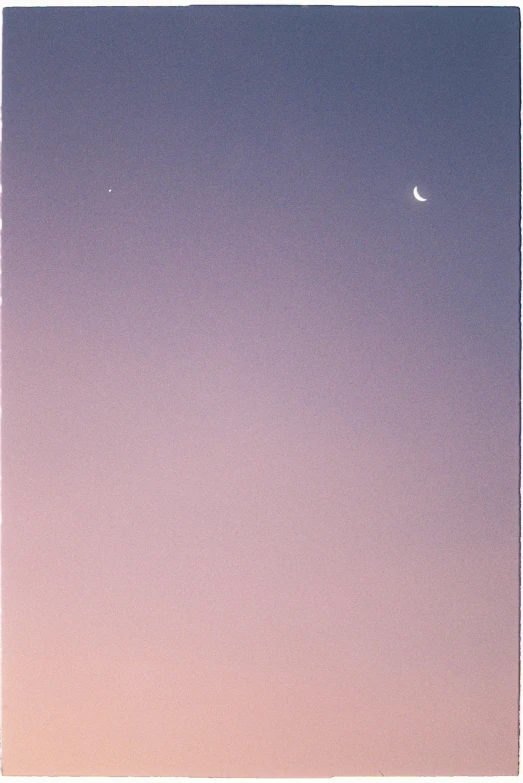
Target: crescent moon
417,195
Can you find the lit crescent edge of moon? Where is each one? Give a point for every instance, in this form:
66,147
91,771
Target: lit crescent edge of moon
417,195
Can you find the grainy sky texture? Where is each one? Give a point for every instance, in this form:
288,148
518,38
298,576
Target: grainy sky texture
260,406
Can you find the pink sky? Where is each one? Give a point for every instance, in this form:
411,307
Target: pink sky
260,407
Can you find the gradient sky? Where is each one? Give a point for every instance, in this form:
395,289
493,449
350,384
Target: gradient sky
260,406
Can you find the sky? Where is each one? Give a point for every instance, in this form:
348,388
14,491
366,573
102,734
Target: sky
260,483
